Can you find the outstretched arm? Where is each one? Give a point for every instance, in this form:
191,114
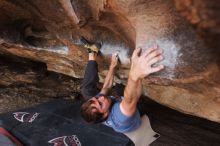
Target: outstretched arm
110,75
141,67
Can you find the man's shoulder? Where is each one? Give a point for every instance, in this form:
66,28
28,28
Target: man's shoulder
120,122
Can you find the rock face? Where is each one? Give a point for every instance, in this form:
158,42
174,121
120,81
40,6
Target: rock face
26,83
50,31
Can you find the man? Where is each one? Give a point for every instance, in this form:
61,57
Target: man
120,113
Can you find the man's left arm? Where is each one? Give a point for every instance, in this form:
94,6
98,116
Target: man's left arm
141,67
110,75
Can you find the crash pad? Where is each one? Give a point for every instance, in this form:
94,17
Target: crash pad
59,122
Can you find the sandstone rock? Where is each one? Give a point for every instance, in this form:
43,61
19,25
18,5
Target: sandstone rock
50,31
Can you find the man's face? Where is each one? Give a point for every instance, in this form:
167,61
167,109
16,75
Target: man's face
102,104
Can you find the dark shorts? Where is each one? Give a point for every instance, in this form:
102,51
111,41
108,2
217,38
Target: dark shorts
89,85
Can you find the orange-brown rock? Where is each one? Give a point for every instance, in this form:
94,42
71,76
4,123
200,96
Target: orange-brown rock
50,31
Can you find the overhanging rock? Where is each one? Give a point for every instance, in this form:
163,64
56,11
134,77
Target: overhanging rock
50,31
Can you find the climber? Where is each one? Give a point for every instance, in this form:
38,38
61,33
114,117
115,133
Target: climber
119,112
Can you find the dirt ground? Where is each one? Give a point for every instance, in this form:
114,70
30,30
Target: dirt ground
25,83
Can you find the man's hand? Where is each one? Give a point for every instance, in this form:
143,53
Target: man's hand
141,63
114,61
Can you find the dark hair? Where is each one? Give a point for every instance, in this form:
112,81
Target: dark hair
91,114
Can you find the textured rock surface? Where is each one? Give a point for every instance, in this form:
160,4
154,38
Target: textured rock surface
25,83
49,31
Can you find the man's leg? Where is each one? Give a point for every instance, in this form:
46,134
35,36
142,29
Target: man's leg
91,79
119,89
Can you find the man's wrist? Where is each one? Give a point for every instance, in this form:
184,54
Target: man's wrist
111,67
132,76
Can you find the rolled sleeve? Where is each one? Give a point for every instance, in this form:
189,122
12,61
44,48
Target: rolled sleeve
122,123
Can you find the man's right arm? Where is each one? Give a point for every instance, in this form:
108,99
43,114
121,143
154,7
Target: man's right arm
141,67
